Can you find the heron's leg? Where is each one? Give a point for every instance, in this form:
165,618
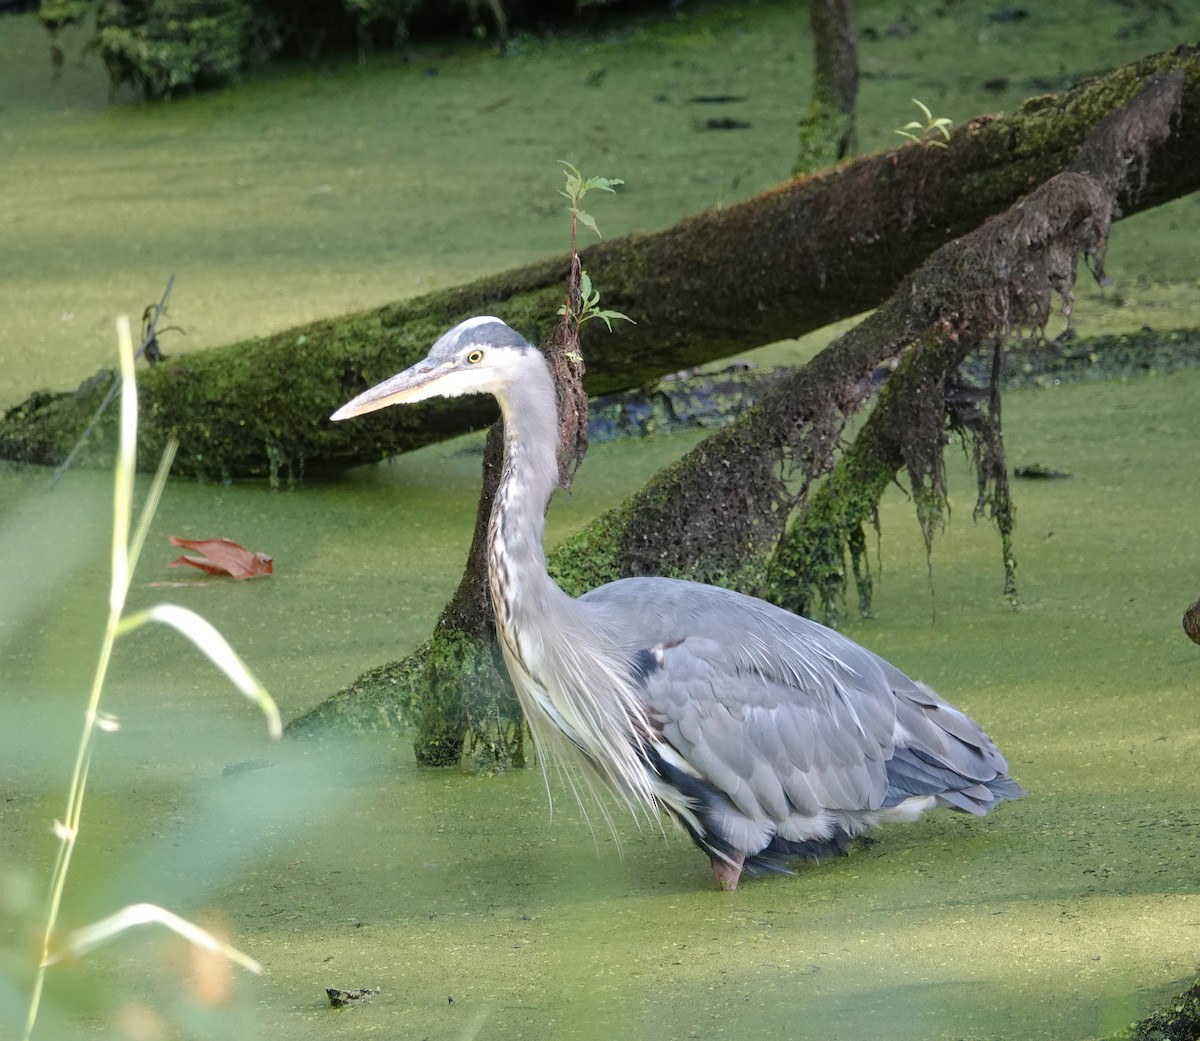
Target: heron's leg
727,871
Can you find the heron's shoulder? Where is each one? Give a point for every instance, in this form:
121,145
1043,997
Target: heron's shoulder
675,592
672,602
723,625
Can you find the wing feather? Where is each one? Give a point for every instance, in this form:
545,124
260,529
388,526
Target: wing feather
789,719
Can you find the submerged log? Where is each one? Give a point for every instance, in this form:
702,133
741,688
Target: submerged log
717,515
792,259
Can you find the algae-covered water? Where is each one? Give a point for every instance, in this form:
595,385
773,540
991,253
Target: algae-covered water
458,898
313,191
474,914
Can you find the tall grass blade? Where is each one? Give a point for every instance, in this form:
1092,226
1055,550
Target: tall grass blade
205,636
151,503
68,828
125,469
91,936
125,552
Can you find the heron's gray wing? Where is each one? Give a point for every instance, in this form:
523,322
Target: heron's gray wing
790,718
941,751
786,717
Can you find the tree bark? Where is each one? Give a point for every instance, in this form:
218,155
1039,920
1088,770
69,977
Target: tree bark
793,259
717,514
827,130
726,503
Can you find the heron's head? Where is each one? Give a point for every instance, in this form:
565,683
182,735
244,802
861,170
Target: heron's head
477,356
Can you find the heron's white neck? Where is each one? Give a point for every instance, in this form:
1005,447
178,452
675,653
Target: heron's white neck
573,683
516,558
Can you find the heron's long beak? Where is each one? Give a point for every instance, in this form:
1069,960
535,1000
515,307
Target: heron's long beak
410,385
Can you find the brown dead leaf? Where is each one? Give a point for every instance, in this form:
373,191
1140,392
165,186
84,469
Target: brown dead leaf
221,557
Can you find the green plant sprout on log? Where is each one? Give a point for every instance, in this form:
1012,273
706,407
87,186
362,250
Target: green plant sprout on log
459,695
583,301
925,133
126,547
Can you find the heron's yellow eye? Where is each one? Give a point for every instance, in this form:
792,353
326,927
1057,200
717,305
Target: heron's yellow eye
475,357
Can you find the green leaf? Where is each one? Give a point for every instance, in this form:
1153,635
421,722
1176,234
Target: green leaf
606,315
608,184
588,221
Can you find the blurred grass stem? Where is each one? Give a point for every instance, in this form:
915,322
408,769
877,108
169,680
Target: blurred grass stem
125,552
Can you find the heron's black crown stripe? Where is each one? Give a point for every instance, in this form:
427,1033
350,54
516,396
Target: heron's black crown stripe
487,334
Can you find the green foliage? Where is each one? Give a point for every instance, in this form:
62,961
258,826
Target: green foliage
383,15
925,133
165,46
577,187
590,308
587,306
57,14
367,11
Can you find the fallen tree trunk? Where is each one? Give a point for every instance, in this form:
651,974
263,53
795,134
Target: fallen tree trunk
718,514
788,261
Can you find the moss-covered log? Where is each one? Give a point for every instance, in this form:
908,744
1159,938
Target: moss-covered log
1178,1020
998,279
718,513
790,260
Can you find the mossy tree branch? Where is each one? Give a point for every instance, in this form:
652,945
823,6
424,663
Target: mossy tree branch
790,260
1000,279
718,514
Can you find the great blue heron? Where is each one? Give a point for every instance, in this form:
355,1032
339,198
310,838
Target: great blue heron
767,736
